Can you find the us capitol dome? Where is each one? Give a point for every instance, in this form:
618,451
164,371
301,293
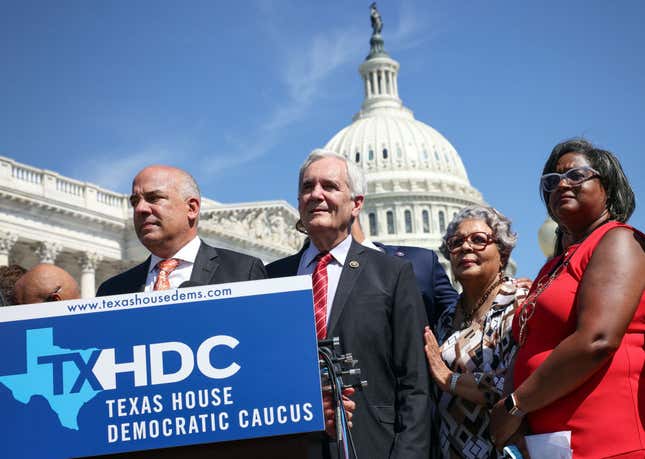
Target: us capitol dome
416,181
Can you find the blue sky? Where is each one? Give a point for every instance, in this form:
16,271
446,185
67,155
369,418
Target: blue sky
238,93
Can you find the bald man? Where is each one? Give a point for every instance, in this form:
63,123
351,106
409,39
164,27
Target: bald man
44,283
166,204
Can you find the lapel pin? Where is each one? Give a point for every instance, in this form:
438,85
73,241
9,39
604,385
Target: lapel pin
354,264
399,254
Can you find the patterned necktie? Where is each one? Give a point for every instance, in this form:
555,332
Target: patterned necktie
319,281
165,267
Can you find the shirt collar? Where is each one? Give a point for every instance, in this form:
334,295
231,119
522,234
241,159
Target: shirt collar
368,243
339,253
187,254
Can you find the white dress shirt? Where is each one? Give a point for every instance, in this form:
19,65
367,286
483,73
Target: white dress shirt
334,268
182,272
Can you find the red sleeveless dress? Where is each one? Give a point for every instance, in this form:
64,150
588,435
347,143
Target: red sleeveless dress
605,415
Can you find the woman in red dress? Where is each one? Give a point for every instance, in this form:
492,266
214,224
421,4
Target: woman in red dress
581,330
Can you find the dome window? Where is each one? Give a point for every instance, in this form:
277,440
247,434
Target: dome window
390,222
442,222
370,155
425,217
385,153
408,221
398,151
373,225
436,156
358,157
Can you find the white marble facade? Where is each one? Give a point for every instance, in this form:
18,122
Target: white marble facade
416,181
87,230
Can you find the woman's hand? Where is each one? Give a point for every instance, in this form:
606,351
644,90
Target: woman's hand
503,425
518,440
438,369
523,282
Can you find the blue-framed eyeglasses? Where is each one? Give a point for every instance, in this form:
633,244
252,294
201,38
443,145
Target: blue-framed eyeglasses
574,177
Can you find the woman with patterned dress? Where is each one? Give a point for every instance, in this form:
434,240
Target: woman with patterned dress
581,331
473,348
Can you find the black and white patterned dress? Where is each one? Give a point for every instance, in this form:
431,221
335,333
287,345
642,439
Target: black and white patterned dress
486,350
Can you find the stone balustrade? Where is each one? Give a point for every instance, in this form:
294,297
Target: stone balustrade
42,183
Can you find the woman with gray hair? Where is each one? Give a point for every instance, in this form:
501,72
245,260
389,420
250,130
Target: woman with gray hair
473,348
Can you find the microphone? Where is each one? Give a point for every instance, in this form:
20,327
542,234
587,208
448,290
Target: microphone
338,372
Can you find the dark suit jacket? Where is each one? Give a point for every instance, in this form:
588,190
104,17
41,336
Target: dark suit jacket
379,316
436,289
212,266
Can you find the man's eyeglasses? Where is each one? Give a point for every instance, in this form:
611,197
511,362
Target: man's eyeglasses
573,177
476,241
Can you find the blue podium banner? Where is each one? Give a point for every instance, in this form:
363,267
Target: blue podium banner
159,369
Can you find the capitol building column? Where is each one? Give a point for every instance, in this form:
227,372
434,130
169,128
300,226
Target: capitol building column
7,241
48,251
88,261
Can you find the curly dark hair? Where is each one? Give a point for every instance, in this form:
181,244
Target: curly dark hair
620,196
8,277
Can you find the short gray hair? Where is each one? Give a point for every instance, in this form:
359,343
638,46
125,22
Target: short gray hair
355,176
187,186
501,226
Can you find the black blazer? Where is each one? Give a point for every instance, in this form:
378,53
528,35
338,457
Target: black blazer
379,316
212,266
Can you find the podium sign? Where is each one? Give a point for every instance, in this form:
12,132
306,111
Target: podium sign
159,369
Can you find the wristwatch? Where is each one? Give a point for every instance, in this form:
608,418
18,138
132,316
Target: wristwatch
453,381
511,406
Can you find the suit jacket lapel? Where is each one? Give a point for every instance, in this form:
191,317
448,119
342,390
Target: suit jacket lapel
287,266
139,279
205,265
346,283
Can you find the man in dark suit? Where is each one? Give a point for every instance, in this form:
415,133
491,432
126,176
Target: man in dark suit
436,289
166,203
372,304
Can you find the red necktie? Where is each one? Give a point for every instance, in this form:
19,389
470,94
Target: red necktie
319,281
165,267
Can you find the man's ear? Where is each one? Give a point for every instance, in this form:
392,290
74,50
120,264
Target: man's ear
358,205
194,206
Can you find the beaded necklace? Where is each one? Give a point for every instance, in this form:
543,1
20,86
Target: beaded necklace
468,316
528,306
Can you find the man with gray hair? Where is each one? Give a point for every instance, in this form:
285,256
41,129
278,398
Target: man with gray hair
371,302
166,204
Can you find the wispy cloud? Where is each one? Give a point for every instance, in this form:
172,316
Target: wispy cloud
305,67
115,172
303,72
308,65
